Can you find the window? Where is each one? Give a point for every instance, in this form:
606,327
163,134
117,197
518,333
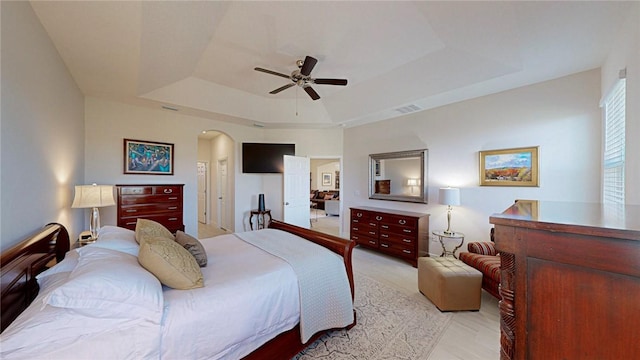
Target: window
614,145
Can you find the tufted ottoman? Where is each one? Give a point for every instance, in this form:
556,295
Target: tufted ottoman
449,283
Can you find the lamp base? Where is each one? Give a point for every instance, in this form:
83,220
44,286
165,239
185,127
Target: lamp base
94,223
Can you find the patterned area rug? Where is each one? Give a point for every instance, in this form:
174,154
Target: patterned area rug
391,325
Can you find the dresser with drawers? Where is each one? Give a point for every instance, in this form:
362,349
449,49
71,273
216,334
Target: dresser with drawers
401,234
158,202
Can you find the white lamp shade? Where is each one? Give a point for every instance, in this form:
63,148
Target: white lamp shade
450,196
89,196
412,182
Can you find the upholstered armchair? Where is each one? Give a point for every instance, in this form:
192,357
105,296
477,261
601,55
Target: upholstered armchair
484,257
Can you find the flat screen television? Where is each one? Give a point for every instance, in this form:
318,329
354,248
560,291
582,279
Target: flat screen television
264,158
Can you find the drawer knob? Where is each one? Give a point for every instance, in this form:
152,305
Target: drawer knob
131,223
372,242
406,251
378,217
355,220
372,224
173,198
384,235
406,240
355,228
402,222
372,232
354,237
406,230
172,207
385,226
131,211
173,219
168,191
359,214
384,245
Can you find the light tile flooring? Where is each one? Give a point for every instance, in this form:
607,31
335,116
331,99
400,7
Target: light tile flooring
471,335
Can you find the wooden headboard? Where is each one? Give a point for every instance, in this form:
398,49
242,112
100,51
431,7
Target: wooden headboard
20,265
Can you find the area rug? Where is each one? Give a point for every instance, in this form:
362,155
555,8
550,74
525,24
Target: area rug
391,325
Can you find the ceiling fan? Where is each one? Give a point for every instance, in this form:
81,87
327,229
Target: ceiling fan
302,77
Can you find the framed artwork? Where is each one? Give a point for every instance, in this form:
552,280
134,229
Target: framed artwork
509,167
148,157
326,179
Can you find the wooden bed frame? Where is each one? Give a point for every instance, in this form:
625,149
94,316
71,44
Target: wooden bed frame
20,265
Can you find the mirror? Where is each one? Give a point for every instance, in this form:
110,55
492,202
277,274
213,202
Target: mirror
399,176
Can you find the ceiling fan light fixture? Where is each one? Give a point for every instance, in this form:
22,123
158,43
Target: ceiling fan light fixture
302,78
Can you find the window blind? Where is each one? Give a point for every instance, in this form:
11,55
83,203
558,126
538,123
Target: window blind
614,145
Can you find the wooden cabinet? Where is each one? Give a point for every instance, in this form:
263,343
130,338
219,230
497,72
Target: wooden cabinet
570,280
401,234
160,203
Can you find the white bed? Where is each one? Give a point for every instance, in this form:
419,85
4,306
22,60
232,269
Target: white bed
100,303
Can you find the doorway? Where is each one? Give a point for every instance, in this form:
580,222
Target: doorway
325,180
215,184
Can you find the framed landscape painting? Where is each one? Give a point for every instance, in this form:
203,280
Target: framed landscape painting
148,157
509,167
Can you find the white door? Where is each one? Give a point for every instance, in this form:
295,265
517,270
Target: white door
296,190
222,194
202,192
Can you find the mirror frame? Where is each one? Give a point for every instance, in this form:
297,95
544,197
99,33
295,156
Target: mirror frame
423,197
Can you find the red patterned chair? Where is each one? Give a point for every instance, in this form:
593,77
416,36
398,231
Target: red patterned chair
483,256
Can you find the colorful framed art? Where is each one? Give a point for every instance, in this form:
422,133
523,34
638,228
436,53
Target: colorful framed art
148,157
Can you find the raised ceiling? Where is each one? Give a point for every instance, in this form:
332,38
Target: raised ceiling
399,57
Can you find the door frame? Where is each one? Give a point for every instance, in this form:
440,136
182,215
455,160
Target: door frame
219,185
207,189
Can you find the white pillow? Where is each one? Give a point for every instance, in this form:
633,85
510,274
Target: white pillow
67,265
109,282
117,238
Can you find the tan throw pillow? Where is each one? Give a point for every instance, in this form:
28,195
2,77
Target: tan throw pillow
151,229
193,246
328,197
172,264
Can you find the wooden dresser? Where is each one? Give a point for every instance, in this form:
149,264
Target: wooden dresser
401,234
570,280
161,203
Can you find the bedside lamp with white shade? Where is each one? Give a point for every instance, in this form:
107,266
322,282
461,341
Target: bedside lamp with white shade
94,197
451,197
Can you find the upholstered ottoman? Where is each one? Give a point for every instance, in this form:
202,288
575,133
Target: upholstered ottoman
449,283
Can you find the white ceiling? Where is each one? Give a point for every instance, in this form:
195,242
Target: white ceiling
199,56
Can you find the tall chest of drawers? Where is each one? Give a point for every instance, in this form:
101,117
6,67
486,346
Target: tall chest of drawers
160,203
402,234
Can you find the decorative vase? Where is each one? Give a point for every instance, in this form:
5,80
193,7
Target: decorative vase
261,202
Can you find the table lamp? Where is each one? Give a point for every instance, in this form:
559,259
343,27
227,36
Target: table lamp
93,196
451,197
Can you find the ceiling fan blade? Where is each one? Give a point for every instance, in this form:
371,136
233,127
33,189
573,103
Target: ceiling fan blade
312,93
341,82
272,72
308,65
281,88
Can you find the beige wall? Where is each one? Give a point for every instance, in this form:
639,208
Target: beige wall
561,116
109,122
42,136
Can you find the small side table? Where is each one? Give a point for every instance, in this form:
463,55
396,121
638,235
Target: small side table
260,221
455,235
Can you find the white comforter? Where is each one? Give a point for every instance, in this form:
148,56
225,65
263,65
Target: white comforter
249,297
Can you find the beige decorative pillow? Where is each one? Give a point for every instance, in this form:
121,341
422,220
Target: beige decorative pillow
172,264
328,197
193,246
149,228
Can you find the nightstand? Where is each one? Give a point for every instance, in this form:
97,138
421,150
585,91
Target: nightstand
85,239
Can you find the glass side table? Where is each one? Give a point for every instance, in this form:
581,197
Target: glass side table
454,235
